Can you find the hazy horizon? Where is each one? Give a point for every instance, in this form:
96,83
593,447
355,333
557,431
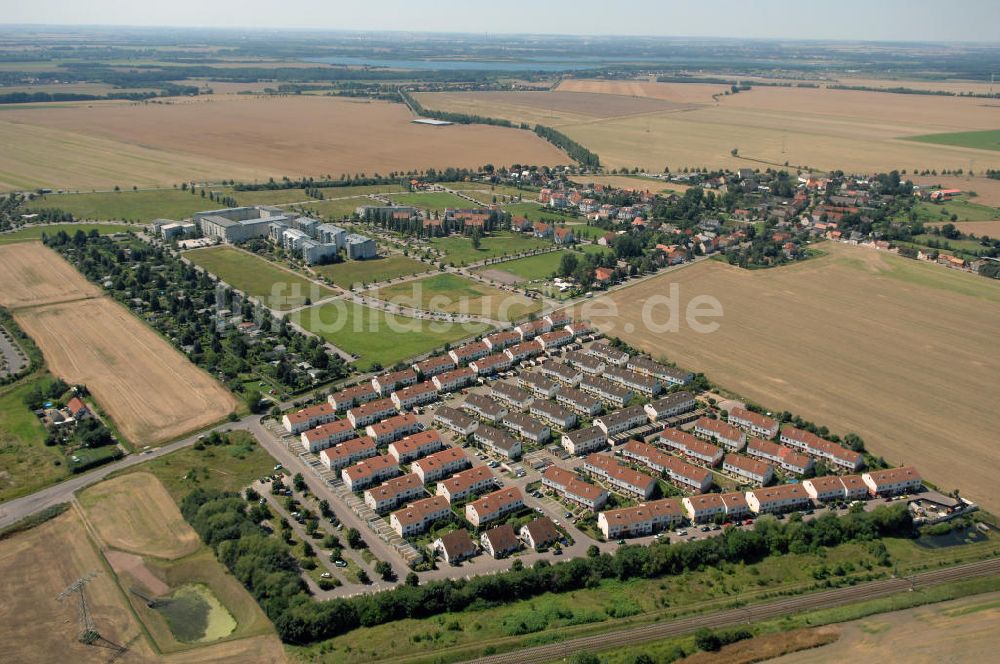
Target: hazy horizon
852,21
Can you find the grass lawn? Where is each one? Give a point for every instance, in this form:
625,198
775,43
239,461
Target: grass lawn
267,196
613,605
963,245
376,336
982,140
536,212
338,209
141,206
361,190
277,288
373,270
593,248
450,293
588,232
532,267
459,250
26,464
432,200
36,232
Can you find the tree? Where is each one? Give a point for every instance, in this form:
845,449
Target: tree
412,580
384,570
363,577
593,551
567,264
708,640
585,658
299,482
353,538
476,242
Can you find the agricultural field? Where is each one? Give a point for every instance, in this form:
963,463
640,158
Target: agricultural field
435,201
978,228
134,513
204,614
38,565
980,140
895,318
770,126
137,206
459,250
337,208
33,274
99,145
275,287
151,391
963,208
958,630
377,337
987,190
449,293
36,232
370,271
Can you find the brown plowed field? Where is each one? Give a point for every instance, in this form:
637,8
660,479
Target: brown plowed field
245,137
901,352
151,391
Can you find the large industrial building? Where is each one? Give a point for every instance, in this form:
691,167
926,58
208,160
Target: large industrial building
314,241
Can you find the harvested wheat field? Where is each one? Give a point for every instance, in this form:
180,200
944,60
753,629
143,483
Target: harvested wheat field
962,630
245,137
32,274
978,228
135,513
36,566
151,391
903,353
817,128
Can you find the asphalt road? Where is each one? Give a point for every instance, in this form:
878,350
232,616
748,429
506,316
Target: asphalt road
744,615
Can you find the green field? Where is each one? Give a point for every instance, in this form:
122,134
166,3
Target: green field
449,293
141,206
432,200
536,212
614,605
361,190
338,209
371,271
530,268
36,232
981,140
592,248
459,250
588,232
277,288
376,336
960,207
26,464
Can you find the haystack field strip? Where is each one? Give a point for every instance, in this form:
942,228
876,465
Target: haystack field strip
962,630
816,128
901,352
244,137
32,274
134,513
151,391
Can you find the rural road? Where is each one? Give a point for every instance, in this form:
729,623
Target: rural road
744,615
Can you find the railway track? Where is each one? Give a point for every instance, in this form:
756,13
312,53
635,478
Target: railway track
743,615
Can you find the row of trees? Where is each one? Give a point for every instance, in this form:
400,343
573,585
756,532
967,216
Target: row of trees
268,570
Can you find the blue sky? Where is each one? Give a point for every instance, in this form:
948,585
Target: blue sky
896,20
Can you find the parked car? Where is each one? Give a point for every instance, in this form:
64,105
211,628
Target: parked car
340,563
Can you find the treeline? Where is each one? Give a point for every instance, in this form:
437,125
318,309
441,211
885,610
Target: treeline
992,174
268,570
457,118
45,97
577,152
25,343
449,174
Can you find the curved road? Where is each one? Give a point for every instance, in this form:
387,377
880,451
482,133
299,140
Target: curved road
743,615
